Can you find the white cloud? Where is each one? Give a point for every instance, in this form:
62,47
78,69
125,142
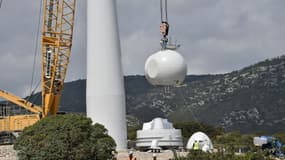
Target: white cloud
217,36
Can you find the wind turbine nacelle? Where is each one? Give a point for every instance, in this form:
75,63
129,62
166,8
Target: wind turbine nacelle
166,68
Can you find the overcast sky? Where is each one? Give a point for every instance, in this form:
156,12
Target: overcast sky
216,36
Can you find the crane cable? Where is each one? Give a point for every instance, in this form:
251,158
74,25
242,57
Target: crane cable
35,51
1,1
163,11
191,112
185,104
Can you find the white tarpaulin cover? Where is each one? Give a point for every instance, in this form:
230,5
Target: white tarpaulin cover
204,141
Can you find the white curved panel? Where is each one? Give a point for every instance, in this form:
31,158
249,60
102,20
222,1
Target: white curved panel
165,67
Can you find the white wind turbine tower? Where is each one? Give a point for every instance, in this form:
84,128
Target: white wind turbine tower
105,93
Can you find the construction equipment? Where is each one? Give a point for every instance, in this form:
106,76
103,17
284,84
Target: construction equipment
56,41
269,143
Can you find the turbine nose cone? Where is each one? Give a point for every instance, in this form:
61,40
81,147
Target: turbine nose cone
166,67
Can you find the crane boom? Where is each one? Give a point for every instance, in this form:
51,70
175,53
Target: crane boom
57,33
58,22
19,122
21,102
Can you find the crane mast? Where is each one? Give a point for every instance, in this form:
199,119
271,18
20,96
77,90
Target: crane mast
56,41
58,22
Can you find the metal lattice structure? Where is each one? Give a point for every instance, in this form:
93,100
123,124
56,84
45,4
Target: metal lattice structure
57,31
58,22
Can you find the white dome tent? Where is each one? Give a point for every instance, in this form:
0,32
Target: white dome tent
205,144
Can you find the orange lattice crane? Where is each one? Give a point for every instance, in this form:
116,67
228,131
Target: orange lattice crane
56,41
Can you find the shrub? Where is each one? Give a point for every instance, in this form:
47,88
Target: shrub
62,137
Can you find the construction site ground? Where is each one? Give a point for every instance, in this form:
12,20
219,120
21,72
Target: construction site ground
8,153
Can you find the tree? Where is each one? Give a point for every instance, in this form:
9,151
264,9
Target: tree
199,155
233,141
189,128
132,132
62,137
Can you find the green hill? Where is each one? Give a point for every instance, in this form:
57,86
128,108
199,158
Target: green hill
248,100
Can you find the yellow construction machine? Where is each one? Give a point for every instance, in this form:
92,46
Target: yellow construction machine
56,42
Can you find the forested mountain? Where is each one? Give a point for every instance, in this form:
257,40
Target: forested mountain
248,100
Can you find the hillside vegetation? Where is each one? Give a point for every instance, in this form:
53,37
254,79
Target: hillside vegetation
248,100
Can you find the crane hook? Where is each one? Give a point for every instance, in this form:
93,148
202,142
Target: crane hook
164,26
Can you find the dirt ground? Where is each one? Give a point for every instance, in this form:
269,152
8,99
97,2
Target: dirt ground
164,155
7,153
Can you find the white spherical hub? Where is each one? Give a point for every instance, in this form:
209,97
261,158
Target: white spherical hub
165,67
